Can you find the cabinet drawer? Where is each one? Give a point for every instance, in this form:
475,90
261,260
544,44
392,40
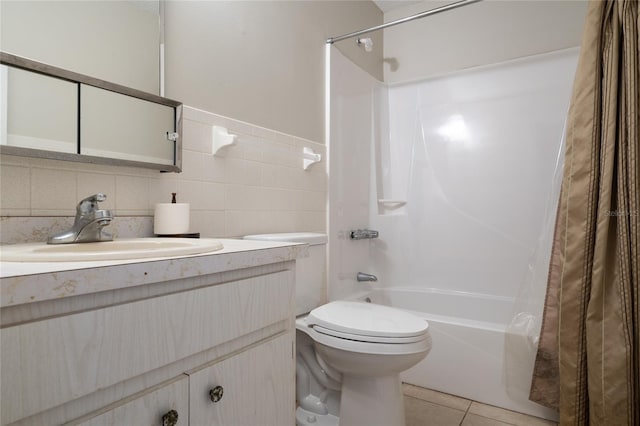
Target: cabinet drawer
50,362
258,388
147,409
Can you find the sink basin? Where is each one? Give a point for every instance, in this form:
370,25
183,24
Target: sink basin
119,249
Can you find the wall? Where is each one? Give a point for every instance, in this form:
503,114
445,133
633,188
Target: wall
255,186
474,155
262,61
112,40
478,34
353,93
379,148
471,161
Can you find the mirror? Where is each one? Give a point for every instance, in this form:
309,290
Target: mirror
43,111
134,129
54,113
89,90
116,41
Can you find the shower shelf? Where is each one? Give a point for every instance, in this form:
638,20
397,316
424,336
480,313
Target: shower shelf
392,203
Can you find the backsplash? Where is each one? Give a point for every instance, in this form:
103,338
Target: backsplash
257,185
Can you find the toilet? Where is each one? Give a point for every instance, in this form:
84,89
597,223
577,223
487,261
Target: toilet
349,354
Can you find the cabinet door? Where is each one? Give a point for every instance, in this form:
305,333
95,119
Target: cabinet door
96,349
167,405
257,384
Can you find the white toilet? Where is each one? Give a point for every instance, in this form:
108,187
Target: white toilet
349,353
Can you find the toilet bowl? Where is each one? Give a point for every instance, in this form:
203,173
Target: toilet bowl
349,355
366,346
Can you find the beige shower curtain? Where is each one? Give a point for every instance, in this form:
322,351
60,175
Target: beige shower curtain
588,361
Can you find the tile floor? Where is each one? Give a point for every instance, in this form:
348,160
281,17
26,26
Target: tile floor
425,407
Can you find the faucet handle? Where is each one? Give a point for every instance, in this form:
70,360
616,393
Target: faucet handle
90,203
361,234
96,197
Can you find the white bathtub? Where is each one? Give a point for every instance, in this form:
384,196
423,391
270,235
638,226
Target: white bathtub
468,332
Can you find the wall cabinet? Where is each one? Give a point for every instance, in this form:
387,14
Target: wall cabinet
132,362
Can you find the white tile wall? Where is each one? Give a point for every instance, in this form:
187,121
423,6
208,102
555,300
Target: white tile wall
255,186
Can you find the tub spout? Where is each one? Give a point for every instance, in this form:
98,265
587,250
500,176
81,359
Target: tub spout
361,276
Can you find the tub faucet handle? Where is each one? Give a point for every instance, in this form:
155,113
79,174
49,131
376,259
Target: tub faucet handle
361,234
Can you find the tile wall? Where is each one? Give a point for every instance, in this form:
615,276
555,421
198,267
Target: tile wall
257,185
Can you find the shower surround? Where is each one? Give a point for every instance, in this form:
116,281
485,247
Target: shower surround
456,173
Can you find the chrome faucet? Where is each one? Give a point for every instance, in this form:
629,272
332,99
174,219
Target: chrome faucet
88,225
361,276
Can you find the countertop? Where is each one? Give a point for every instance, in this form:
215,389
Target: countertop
22,282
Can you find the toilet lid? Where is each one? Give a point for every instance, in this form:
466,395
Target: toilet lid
367,319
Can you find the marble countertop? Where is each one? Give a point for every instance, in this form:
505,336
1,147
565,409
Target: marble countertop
22,282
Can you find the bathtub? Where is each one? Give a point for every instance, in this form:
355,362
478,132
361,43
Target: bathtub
468,332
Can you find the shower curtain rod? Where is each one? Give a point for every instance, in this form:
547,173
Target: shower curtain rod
403,20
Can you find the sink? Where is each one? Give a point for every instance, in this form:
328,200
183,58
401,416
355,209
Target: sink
119,249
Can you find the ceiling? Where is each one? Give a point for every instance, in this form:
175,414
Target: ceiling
387,5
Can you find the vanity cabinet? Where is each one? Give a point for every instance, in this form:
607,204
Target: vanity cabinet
130,356
154,407
248,389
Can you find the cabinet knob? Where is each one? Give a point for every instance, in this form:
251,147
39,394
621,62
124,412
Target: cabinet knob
170,419
216,393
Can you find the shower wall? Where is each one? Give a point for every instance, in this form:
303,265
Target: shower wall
352,93
455,172
468,164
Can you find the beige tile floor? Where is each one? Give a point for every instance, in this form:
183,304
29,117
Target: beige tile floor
425,407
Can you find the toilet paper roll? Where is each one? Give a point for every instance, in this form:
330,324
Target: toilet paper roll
171,218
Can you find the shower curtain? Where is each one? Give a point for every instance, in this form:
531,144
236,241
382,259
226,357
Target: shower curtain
588,360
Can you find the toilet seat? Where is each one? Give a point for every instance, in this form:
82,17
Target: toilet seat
371,339
367,322
373,348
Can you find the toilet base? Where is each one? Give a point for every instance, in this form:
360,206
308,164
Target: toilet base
307,418
364,401
371,401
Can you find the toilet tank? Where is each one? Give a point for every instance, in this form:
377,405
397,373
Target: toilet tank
311,280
